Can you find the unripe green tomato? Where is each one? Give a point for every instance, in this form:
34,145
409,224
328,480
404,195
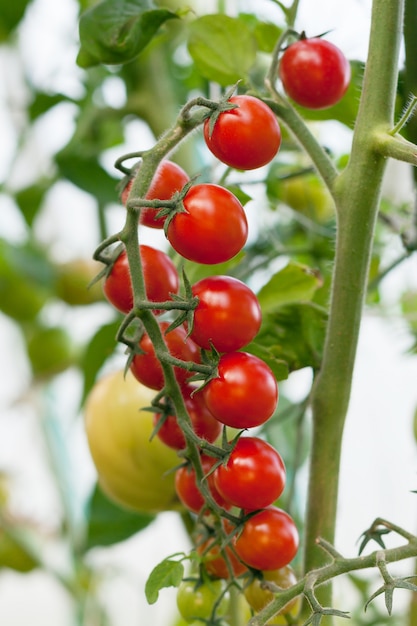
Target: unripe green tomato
25,277
13,556
73,282
258,597
50,350
132,470
195,600
307,195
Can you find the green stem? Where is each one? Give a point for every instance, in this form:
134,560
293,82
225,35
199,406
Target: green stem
357,193
322,162
337,567
130,237
410,74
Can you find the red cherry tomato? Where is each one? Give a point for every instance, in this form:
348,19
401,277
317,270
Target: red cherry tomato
314,73
169,178
213,227
159,273
245,392
147,369
246,137
188,490
268,540
228,314
203,422
254,475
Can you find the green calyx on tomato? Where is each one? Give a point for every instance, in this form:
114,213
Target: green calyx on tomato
244,394
146,367
211,227
253,476
246,136
204,424
169,179
268,539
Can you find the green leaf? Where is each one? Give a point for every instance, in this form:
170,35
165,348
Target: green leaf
294,283
43,102
266,33
100,348
108,523
29,199
222,47
86,173
116,31
10,15
295,332
290,434
197,271
267,354
241,195
27,279
168,573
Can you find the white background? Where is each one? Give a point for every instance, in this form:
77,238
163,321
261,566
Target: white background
379,466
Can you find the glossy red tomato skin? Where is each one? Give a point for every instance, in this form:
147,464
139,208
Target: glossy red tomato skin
228,314
245,392
269,540
147,369
169,178
159,273
254,475
188,492
203,422
246,137
213,228
314,73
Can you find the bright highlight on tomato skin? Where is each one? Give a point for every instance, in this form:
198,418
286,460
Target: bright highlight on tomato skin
314,73
203,422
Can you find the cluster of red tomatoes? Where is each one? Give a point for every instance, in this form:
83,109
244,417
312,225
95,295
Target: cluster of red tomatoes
208,225
243,392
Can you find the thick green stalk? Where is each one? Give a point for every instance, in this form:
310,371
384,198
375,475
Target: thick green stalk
357,194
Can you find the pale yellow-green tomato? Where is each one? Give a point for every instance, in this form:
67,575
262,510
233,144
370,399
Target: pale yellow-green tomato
50,350
197,600
258,597
307,195
132,470
74,282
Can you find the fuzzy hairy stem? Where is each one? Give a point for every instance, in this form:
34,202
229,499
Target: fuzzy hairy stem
357,194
